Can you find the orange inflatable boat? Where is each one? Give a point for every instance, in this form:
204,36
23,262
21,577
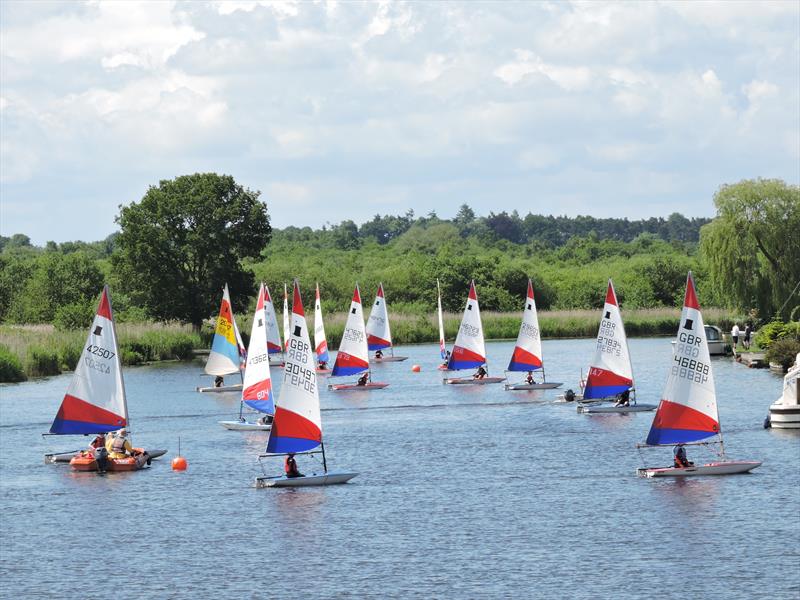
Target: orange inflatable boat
86,461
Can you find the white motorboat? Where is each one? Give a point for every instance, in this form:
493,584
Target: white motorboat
784,413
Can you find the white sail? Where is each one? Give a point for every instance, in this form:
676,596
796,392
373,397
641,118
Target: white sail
285,317
379,335
442,343
273,334
320,341
257,386
469,351
353,356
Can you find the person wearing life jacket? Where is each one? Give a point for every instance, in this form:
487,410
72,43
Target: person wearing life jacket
291,467
529,378
219,381
681,462
624,399
480,373
98,442
378,353
119,446
322,365
363,379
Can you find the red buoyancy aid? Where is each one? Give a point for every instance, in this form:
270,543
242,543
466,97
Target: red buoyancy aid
290,465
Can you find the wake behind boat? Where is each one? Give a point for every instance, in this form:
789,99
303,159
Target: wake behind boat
687,414
297,428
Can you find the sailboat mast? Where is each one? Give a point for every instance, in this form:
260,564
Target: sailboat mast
324,462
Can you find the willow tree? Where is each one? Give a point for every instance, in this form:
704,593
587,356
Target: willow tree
752,247
185,240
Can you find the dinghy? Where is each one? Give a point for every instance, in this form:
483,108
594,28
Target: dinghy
379,335
610,377
257,390
320,341
687,414
95,401
227,348
469,351
353,355
527,355
274,344
285,318
784,413
442,345
65,457
297,428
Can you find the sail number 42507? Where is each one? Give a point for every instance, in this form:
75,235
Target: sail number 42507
101,352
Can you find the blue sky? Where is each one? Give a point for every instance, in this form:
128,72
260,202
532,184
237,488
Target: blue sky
343,110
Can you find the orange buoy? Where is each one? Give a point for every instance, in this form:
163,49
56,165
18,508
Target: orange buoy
179,463
416,368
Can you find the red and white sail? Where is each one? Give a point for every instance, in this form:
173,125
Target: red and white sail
611,372
257,386
688,408
285,317
469,351
527,354
353,355
320,341
442,344
274,343
379,336
95,399
297,426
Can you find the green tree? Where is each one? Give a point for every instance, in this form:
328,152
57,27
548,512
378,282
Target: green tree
752,247
185,240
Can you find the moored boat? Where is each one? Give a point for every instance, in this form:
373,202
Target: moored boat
784,413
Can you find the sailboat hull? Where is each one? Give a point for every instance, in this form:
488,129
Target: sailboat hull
716,468
223,388
85,461
599,408
471,381
344,387
245,426
65,457
307,481
388,359
532,386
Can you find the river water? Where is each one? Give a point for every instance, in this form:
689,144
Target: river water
463,492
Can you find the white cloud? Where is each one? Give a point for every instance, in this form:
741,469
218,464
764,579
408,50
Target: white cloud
567,77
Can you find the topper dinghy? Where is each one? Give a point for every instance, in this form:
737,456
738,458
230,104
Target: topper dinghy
610,377
353,355
442,344
95,401
297,428
320,341
687,414
527,356
469,351
257,390
227,348
274,344
379,335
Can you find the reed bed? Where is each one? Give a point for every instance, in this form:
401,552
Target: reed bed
37,350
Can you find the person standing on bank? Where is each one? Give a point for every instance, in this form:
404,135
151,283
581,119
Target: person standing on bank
748,331
735,336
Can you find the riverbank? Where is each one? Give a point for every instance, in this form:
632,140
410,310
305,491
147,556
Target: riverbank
38,350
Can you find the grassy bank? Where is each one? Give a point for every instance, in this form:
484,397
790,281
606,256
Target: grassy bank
36,350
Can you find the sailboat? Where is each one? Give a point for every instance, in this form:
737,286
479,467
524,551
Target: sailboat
257,384
687,414
274,344
227,348
297,428
442,344
285,318
379,336
353,356
469,351
95,401
611,373
527,356
320,342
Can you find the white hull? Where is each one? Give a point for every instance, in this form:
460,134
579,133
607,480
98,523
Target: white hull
237,387
388,359
472,381
245,426
717,468
354,387
597,408
784,417
307,481
532,386
65,457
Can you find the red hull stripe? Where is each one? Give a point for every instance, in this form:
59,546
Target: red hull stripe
671,415
75,409
288,424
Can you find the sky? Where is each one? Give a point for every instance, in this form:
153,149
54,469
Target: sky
344,110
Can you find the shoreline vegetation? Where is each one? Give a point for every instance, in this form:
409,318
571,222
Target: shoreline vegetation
40,350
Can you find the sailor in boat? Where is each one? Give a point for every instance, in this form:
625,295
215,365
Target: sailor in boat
681,462
446,359
624,399
363,379
378,353
119,446
480,373
265,420
291,467
569,396
98,442
322,365
219,381
529,378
